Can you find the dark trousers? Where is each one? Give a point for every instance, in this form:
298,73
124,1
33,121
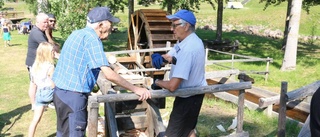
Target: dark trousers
184,116
315,114
71,109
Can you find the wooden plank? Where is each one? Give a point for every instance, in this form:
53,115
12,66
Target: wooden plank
130,106
160,28
155,121
238,55
154,14
292,95
160,45
252,106
151,10
159,18
161,37
137,51
132,122
234,60
221,73
179,92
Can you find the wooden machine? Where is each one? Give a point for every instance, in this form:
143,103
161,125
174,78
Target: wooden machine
149,32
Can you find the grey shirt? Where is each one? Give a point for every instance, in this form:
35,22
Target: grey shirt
36,36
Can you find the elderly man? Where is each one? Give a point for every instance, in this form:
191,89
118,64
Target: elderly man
81,59
37,35
187,71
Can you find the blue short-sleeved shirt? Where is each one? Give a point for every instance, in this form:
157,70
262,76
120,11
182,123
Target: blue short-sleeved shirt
190,64
80,60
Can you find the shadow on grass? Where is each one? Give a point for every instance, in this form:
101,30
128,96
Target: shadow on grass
207,126
11,45
16,114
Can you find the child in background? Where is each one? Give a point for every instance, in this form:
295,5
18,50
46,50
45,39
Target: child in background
41,74
6,34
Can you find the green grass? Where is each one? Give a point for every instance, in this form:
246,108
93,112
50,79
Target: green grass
15,114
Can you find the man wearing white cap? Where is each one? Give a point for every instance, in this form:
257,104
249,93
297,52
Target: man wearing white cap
81,59
187,71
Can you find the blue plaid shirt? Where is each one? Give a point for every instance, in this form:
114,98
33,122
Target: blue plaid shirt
79,64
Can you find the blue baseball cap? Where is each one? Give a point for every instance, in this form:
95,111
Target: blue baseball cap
98,14
186,15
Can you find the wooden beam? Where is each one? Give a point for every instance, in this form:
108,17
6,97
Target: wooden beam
136,51
292,95
221,73
179,92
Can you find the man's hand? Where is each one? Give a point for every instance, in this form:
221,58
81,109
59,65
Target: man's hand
157,60
143,93
154,85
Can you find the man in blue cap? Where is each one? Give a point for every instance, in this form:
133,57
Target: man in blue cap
81,59
187,71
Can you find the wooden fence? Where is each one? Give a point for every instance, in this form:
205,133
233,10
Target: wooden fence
157,121
245,59
284,99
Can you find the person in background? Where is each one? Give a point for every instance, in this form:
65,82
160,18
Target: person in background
6,34
36,36
187,59
315,114
2,20
51,27
81,60
41,74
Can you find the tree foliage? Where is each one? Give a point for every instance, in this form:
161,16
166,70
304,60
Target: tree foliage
71,14
1,4
306,4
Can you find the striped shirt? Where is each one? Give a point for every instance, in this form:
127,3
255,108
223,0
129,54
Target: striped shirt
79,64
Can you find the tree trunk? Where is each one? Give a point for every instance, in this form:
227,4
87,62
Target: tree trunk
42,6
290,56
219,21
131,11
169,6
285,34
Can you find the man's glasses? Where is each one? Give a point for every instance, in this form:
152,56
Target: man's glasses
175,25
52,21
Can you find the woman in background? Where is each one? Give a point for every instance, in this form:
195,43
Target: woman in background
6,34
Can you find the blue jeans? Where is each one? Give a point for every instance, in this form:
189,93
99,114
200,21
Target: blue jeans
44,96
71,109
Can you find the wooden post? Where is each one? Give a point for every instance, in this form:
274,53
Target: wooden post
282,110
267,70
154,117
93,116
207,54
110,120
240,106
